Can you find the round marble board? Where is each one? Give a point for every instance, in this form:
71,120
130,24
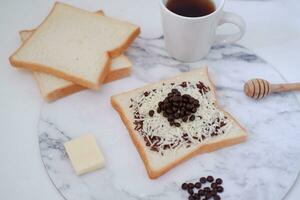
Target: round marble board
264,167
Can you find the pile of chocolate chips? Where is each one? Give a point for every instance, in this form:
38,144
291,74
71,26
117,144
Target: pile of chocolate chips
203,191
176,106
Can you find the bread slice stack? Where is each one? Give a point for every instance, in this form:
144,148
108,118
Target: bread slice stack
161,145
74,49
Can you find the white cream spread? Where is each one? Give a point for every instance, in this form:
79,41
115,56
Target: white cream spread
209,121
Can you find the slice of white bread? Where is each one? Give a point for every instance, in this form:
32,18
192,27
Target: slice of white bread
53,88
75,45
157,164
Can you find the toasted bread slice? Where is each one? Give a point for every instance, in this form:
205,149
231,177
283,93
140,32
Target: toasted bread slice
163,146
53,88
75,45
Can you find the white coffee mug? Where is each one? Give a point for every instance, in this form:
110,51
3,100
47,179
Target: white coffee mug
190,38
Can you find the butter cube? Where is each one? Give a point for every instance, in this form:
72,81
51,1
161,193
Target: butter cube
84,154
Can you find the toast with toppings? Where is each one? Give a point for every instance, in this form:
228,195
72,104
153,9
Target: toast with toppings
173,120
53,88
75,45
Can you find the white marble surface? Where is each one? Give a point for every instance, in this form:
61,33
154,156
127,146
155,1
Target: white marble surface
249,170
273,33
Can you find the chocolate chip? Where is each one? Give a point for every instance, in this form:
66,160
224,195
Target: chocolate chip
146,94
174,91
217,197
185,96
177,115
190,191
176,98
220,189
151,113
174,108
184,186
219,181
170,118
192,117
182,114
194,110
158,110
214,192
201,192
209,178
208,195
188,96
202,180
176,104
183,84
206,189
185,118
189,106
214,185
168,106
196,197
191,197
169,111
191,185
177,124
198,185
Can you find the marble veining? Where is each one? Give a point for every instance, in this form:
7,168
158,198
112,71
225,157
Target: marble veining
263,168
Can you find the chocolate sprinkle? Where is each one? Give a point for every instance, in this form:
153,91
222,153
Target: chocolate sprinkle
178,108
202,88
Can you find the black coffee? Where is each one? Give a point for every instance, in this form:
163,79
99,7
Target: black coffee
191,8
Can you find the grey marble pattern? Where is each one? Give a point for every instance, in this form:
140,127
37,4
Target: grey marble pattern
263,168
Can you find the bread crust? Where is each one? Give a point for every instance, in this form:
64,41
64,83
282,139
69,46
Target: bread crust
73,88
63,75
133,137
119,50
153,174
114,74
62,92
47,69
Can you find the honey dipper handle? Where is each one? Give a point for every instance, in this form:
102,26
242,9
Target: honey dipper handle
284,87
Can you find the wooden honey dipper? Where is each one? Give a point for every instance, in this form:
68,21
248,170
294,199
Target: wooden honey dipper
259,88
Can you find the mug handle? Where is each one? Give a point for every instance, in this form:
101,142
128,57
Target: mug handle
237,20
